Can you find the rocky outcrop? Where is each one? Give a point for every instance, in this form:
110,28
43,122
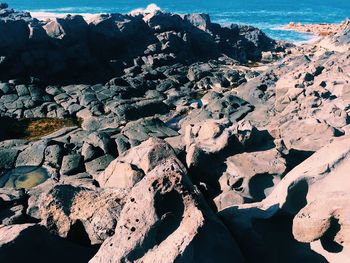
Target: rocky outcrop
340,40
106,45
313,195
165,219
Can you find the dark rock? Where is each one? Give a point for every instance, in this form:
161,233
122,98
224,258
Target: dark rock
72,164
70,29
7,158
122,143
3,5
99,164
145,128
33,155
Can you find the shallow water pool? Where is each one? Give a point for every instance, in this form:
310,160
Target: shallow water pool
24,177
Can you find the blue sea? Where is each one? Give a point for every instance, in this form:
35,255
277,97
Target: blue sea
269,15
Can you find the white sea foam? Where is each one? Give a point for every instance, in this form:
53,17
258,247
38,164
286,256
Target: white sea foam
62,12
150,9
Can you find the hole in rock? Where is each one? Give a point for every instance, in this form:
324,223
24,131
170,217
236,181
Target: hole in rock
169,208
259,184
296,197
327,240
77,234
237,185
296,157
262,87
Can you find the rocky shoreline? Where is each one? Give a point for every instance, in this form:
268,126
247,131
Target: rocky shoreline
321,30
194,142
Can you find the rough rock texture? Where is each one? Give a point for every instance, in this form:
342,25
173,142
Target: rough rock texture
150,40
315,193
253,175
66,208
165,219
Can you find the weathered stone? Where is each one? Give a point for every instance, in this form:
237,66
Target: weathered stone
65,207
7,158
120,175
99,164
53,155
33,155
122,143
315,193
146,128
253,175
165,220
72,164
148,154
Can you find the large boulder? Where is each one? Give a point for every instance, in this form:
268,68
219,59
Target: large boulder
70,29
165,220
201,21
307,135
308,205
160,21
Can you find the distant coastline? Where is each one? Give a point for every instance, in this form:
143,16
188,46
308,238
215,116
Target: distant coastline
303,37
267,16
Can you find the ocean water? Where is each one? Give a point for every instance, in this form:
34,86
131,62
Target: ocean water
269,15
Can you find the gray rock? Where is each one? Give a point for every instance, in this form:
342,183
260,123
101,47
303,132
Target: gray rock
99,164
122,143
53,90
22,90
7,158
12,204
12,215
90,152
6,88
33,155
143,129
53,155
72,164
198,71
102,141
